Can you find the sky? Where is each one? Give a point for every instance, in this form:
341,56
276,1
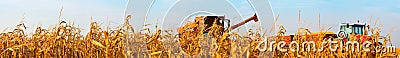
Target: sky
112,12
46,12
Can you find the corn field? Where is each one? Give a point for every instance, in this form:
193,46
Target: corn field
65,41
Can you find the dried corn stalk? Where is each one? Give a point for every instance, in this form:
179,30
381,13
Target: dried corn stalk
189,36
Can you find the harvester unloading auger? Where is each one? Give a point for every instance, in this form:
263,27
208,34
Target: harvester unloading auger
191,32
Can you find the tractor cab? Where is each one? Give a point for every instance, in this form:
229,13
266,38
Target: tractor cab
354,28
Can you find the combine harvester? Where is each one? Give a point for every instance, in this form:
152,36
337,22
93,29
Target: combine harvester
216,26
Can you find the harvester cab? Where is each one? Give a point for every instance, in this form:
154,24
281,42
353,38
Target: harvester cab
217,19
220,20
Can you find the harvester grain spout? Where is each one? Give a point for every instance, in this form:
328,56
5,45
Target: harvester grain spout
254,17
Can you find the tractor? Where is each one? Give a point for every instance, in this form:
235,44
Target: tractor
347,29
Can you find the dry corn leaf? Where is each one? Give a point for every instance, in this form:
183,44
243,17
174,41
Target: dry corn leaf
97,44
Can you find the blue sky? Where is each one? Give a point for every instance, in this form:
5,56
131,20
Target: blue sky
45,12
111,12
